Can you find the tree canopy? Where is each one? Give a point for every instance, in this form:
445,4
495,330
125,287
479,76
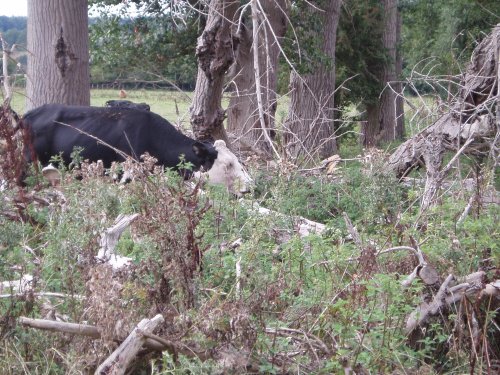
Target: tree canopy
159,41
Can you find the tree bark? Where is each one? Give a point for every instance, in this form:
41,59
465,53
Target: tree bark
215,51
380,126
398,86
243,112
309,126
58,61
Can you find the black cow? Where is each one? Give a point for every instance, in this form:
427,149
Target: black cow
131,131
127,104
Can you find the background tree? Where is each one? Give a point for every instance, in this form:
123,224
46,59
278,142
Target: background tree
381,114
13,29
398,85
243,111
359,54
58,64
215,52
309,126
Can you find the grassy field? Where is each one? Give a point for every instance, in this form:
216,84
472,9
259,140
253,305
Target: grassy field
172,105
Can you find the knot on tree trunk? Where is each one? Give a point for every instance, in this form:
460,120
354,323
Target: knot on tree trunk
205,128
216,48
64,57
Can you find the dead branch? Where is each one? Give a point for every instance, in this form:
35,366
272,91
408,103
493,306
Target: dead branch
425,309
448,295
54,326
304,227
110,239
256,12
425,271
353,231
118,362
488,196
43,295
467,128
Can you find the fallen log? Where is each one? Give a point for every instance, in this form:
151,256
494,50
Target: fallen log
118,362
152,342
42,295
55,326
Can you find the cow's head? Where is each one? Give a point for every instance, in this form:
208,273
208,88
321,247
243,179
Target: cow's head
228,171
205,154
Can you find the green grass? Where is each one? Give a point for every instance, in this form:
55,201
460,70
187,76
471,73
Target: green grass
172,105
18,100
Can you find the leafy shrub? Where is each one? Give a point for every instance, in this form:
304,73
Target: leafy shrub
238,283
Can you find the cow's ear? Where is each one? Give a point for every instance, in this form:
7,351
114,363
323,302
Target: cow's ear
219,144
199,149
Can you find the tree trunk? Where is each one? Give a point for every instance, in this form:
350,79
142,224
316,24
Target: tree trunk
215,51
243,113
309,126
398,86
58,62
380,126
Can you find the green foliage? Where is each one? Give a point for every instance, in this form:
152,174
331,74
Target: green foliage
13,30
261,291
463,247
368,197
305,37
182,365
439,37
144,48
259,297
14,237
359,51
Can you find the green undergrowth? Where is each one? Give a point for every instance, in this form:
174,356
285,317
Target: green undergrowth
242,283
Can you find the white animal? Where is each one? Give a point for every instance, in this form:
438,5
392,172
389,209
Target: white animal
228,171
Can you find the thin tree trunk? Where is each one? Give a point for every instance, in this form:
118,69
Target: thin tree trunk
398,87
243,115
58,61
381,127
215,51
371,127
7,93
309,126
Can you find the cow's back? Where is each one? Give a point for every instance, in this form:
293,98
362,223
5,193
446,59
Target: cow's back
98,130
